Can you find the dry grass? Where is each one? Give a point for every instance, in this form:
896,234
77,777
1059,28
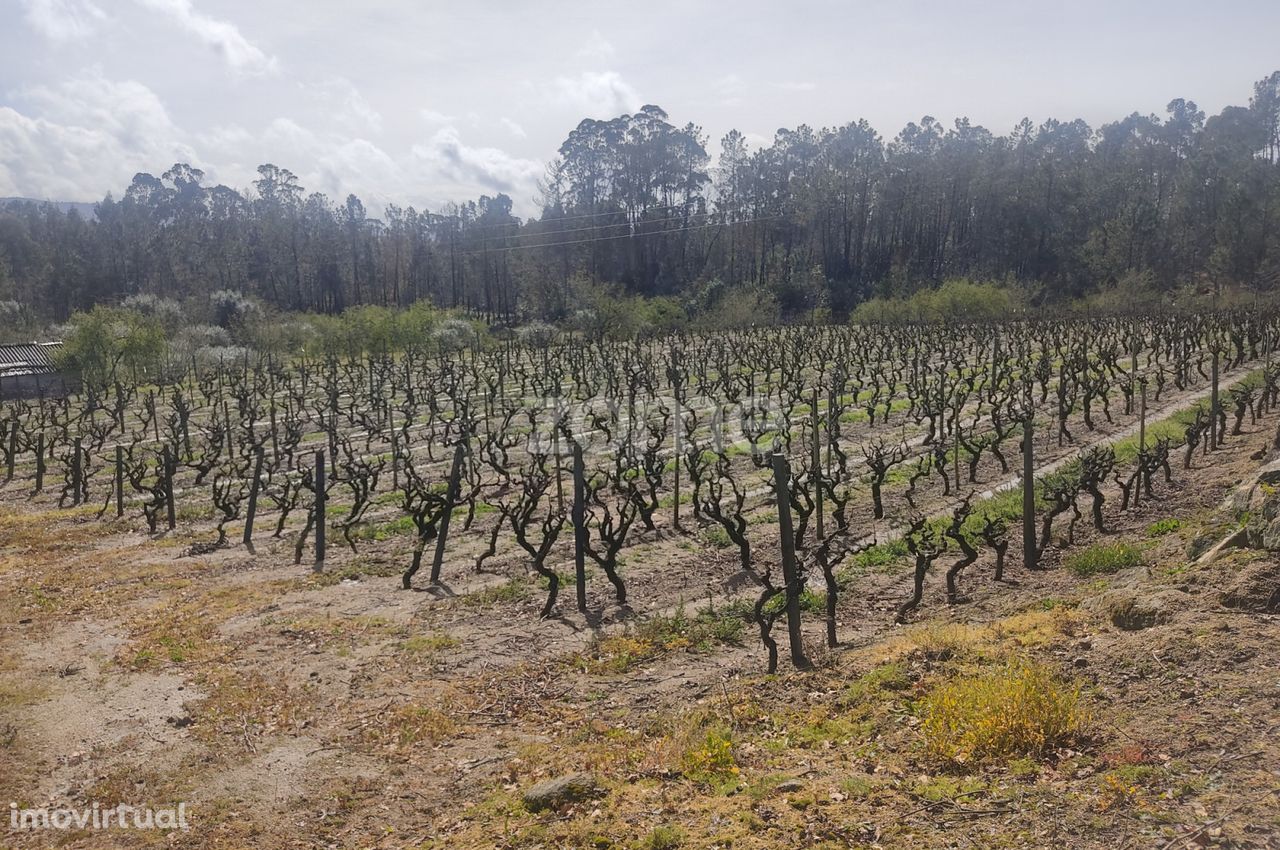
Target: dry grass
410,725
1018,709
245,706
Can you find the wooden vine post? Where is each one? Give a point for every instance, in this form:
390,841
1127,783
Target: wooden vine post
579,517
119,481
320,509
13,451
77,471
790,569
167,460
1030,557
1214,437
251,511
39,461
815,463
451,501
677,433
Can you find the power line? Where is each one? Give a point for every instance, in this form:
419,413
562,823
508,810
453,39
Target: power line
611,224
616,212
609,238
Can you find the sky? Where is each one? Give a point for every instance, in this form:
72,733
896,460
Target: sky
425,102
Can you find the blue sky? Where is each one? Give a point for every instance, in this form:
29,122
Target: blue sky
429,102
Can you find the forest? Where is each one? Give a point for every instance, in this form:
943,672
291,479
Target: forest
810,226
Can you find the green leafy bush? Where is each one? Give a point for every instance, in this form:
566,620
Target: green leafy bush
955,300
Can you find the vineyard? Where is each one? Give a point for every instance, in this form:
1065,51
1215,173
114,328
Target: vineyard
626,501
833,439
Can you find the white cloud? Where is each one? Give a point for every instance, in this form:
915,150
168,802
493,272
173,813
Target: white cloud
343,102
225,38
796,86
596,94
89,135
446,157
91,132
514,128
729,89
63,20
596,48
433,117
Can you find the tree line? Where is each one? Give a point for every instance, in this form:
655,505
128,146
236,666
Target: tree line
819,220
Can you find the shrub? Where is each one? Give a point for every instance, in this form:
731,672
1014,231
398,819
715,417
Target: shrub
955,300
1161,527
166,310
98,343
1018,710
536,334
1104,559
455,334
710,760
738,308
663,315
231,309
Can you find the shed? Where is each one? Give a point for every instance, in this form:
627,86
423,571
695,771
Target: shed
28,370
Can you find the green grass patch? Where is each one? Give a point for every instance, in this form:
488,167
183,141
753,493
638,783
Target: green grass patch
428,644
1104,559
1161,527
716,536
399,527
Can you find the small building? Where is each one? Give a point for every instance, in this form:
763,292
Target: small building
28,370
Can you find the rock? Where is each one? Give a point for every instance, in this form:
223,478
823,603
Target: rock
1255,588
1132,611
1259,503
560,791
1080,661
789,786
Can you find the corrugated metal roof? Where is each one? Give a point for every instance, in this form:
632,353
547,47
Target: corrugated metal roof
27,358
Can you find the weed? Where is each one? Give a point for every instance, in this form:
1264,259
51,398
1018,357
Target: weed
880,558
1115,793
386,530
1019,709
872,684
511,591
661,634
662,838
356,570
710,760
1052,603
716,536
1104,559
858,787
1161,527
1023,768
937,788
944,641
817,732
